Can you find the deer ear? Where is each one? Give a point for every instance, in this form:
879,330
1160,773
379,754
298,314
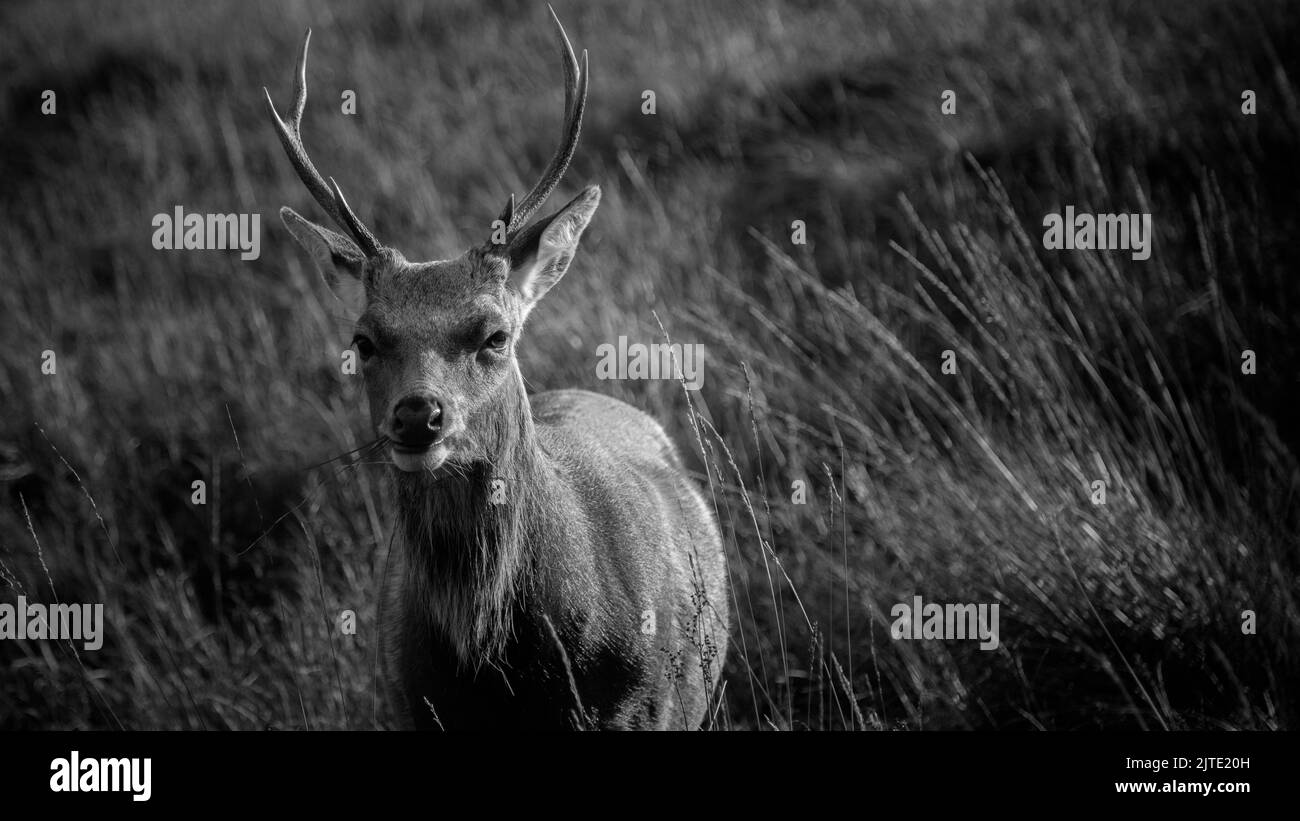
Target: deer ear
541,253
338,259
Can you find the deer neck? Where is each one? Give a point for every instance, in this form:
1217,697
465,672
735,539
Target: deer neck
469,536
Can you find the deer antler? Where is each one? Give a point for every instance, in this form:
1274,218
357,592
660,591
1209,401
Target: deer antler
328,195
575,103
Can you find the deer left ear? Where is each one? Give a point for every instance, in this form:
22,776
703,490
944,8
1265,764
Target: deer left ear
541,253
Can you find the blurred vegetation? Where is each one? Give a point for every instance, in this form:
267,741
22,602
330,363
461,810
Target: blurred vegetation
822,360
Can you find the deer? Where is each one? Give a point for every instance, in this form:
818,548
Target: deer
553,564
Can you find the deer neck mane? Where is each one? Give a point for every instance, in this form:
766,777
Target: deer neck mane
470,536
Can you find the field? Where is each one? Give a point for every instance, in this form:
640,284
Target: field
823,358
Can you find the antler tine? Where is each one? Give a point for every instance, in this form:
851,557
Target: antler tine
575,103
508,213
329,198
365,239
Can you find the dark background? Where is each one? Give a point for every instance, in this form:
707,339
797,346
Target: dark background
822,364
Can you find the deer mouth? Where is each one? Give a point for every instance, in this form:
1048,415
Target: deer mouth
416,457
402,447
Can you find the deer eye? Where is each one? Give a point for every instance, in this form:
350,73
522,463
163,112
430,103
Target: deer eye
364,346
497,341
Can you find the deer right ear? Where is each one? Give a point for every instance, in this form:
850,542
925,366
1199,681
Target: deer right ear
541,253
338,259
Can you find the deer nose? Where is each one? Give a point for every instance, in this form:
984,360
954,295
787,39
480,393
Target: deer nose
417,420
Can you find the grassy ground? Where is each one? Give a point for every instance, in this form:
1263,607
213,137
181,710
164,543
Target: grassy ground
823,360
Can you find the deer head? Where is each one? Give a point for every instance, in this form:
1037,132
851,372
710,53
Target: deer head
437,339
